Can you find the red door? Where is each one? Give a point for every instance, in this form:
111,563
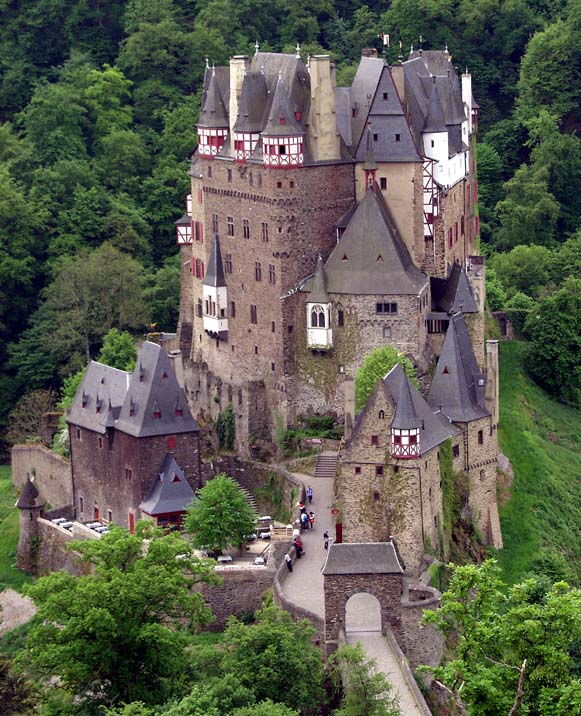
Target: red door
96,513
131,522
339,532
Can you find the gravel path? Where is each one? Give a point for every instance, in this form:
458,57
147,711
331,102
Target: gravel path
15,610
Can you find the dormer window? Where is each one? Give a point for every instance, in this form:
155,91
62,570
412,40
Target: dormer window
157,414
298,116
317,317
179,412
282,120
131,412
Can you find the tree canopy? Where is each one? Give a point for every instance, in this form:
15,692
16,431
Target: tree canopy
375,366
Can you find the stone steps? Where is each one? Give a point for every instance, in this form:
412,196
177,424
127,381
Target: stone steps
326,465
249,498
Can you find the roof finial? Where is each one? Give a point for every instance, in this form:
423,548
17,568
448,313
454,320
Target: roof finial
421,42
261,69
411,48
298,51
207,62
446,48
256,47
213,70
280,73
400,56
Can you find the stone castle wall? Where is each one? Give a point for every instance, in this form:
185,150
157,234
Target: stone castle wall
421,644
50,472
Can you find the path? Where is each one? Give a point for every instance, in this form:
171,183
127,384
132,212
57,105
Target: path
14,610
304,587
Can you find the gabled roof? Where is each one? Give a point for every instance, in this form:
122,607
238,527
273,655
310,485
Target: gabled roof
434,427
101,393
362,558
387,122
371,257
214,275
27,499
319,286
296,79
281,117
169,492
154,390
458,296
251,108
458,386
213,112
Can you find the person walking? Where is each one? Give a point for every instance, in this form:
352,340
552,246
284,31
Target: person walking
289,562
312,520
309,494
326,539
305,521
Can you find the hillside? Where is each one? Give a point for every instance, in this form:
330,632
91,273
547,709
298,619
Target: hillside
542,439
9,575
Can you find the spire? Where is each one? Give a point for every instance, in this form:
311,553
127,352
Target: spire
215,272
213,113
319,286
207,62
298,51
256,47
435,121
27,499
405,417
281,118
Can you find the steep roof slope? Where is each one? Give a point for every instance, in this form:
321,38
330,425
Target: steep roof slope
98,400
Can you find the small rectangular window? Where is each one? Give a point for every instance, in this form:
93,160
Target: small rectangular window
272,366
379,470
228,263
273,327
291,184
255,350
245,228
271,274
385,96
100,442
279,185
289,329
171,443
78,433
209,172
199,311
264,231
81,504
480,437
200,196
375,440
229,175
257,271
456,451
357,470
383,183
230,222
375,137
259,179
387,331
253,314
232,309
398,137
128,474
215,224
109,516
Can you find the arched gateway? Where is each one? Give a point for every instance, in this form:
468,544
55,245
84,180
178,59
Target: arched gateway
371,567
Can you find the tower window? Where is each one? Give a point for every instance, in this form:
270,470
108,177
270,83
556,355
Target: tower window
100,441
264,231
398,137
171,443
215,223
81,504
387,331
253,314
375,440
245,228
381,414
379,470
229,175
78,433
271,274
230,222
279,185
432,142
480,437
340,317
375,137
257,271
128,474
228,263
232,309
272,366
255,350
383,183
317,317
456,451
385,97
357,469
272,327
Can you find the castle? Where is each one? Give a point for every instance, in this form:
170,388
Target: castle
323,222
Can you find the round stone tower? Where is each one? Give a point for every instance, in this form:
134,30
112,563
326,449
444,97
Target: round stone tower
28,540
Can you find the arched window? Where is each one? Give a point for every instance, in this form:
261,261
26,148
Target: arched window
317,317
382,414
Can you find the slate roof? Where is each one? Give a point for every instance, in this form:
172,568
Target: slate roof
27,499
369,164
362,558
281,117
251,107
458,386
343,114
371,257
214,275
319,286
363,89
386,120
213,112
458,295
434,427
170,491
296,79
153,388
435,121
99,397
405,416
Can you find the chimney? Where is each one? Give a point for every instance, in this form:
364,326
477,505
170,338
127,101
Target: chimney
349,396
321,122
398,80
491,396
175,358
238,66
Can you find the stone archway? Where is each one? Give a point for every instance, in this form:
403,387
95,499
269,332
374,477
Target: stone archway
371,570
363,613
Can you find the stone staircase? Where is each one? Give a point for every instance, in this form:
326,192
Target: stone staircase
326,465
249,498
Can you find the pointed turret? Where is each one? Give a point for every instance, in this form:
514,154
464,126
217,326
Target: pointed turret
458,387
215,295
406,424
319,333
253,98
169,496
213,121
435,121
369,165
282,137
30,510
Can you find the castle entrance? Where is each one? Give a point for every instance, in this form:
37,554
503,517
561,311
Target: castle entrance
362,613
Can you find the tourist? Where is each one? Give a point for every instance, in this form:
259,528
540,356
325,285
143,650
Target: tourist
298,545
305,521
310,494
312,520
289,562
326,539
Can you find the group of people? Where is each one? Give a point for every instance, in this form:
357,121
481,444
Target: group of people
304,521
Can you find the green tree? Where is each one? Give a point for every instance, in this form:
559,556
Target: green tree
553,356
526,269
163,294
119,350
265,708
510,650
221,516
118,634
518,309
495,291
25,421
366,691
275,657
375,366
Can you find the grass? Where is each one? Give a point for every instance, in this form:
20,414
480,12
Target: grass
9,575
542,439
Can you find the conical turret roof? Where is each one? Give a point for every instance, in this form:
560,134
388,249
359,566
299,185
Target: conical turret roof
281,118
215,272
435,121
213,113
27,499
252,102
319,286
405,417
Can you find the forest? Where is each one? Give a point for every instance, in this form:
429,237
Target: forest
98,103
